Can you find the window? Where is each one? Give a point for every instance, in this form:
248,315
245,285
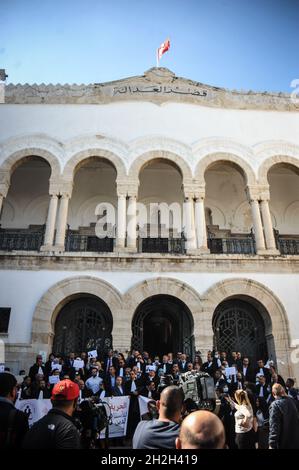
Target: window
4,319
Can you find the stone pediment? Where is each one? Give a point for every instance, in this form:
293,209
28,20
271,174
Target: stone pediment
157,85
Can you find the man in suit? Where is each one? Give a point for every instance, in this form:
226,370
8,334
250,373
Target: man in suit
84,392
121,371
262,389
246,371
37,368
210,366
261,369
110,361
110,381
237,385
150,391
165,366
119,389
183,363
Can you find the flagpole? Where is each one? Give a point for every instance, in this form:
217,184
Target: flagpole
157,58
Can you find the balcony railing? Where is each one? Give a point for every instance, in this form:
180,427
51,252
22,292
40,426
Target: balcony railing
79,242
234,245
162,245
288,246
26,240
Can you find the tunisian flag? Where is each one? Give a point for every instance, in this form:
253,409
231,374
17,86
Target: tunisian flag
163,48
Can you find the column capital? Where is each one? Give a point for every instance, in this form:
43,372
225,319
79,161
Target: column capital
253,192
200,192
4,189
4,182
66,188
265,192
258,192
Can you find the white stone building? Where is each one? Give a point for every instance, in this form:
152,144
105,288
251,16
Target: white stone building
229,159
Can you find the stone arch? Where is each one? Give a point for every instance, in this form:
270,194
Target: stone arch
235,160
77,160
161,285
266,166
20,156
140,162
58,295
276,321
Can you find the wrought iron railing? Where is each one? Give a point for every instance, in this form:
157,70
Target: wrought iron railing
23,241
79,242
162,245
288,246
232,245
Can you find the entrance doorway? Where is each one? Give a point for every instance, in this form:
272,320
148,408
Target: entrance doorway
239,326
163,324
83,324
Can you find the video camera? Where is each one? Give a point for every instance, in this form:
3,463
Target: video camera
94,415
197,386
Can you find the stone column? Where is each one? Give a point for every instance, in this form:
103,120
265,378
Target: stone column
268,227
132,223
4,186
189,224
50,224
200,222
121,221
253,196
1,202
61,222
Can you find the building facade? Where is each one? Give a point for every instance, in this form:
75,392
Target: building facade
225,276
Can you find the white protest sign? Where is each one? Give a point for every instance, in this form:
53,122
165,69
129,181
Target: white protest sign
54,379
78,364
143,401
92,353
230,371
56,366
34,409
119,407
2,367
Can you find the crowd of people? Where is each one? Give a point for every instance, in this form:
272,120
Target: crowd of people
258,408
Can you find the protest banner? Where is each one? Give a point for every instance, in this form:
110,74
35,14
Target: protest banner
34,409
119,409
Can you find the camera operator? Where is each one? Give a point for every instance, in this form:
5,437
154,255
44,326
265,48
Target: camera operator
161,433
57,430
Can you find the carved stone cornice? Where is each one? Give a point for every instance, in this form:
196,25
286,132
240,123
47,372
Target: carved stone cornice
157,85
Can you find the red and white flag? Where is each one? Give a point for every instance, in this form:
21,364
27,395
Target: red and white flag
162,49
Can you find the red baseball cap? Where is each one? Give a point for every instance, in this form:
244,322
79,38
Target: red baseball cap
65,390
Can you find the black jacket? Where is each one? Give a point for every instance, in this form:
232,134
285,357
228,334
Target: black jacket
56,430
284,424
19,426
34,370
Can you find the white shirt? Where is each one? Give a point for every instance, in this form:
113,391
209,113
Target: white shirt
121,372
40,371
242,413
94,383
133,386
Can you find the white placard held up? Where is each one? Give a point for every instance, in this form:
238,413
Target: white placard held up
230,371
78,364
92,354
54,379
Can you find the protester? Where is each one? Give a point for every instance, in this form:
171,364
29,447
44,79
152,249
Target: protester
245,437
57,430
284,421
161,433
201,430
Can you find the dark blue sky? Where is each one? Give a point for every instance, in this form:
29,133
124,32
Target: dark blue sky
243,44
